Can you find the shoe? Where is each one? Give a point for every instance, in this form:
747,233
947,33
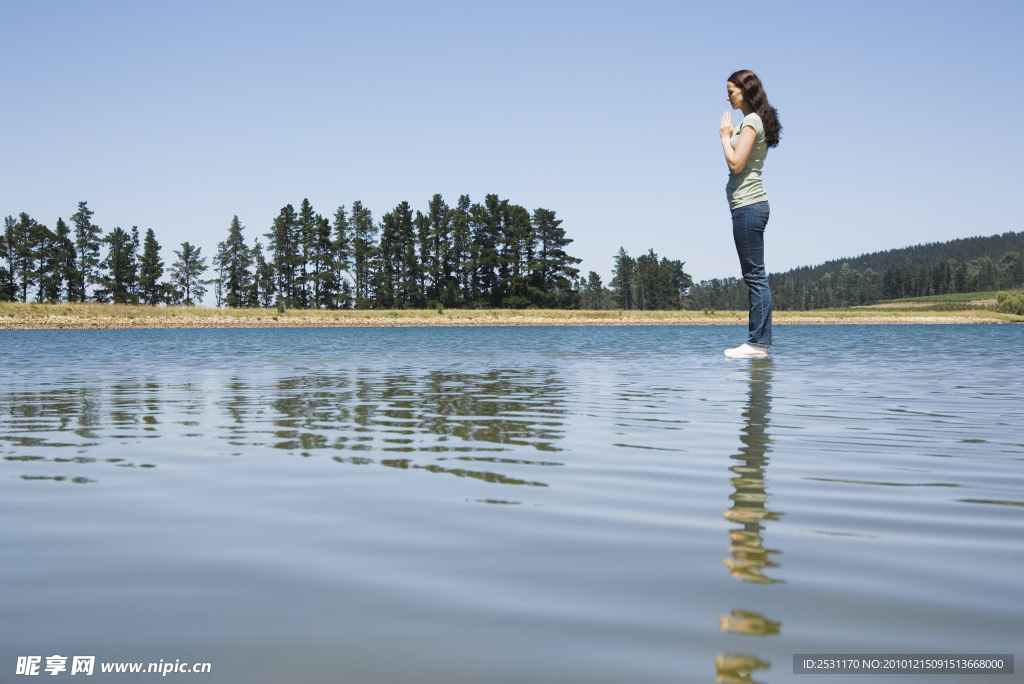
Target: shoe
745,351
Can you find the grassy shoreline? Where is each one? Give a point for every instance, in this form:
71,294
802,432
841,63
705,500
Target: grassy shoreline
18,316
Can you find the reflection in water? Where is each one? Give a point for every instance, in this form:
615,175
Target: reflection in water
405,463
377,494
748,555
435,414
440,412
748,624
735,668
502,407
992,501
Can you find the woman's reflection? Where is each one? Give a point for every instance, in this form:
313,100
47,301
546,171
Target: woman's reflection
749,557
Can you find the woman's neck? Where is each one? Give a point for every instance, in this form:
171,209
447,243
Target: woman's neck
746,109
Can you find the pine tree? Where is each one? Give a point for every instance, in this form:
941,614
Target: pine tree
133,282
237,258
66,261
120,280
555,266
388,263
306,237
151,269
48,260
186,274
397,270
364,249
283,246
486,221
324,287
463,266
593,293
517,258
407,267
87,245
443,262
342,259
22,237
8,287
220,267
264,281
424,257
622,279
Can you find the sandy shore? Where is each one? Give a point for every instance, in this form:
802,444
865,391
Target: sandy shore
106,317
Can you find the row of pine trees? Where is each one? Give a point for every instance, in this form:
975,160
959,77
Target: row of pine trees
67,263
493,254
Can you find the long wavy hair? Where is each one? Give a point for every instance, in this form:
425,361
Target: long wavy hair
753,92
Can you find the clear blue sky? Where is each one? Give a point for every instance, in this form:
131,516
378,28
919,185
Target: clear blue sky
176,116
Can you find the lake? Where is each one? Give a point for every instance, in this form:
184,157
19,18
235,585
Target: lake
602,504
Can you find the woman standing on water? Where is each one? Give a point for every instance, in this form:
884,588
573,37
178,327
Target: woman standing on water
745,149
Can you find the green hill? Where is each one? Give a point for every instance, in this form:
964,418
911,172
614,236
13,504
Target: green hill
961,250
964,265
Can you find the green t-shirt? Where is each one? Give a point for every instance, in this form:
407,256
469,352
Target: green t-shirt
745,187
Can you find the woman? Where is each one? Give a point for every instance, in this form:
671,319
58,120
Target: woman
745,149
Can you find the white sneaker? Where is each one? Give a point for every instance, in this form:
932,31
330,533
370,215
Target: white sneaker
745,351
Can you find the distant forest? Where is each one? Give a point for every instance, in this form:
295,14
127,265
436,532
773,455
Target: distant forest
495,254
977,264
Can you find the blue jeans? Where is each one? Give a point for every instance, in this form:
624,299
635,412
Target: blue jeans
748,224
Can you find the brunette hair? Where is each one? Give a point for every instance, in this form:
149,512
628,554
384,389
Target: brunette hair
753,92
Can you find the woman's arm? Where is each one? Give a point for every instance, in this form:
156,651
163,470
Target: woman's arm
736,159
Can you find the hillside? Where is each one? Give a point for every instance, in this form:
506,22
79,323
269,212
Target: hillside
961,250
958,266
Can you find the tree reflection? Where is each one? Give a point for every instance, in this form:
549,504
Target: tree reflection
442,415
71,410
436,412
440,412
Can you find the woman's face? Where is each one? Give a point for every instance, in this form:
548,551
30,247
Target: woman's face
735,95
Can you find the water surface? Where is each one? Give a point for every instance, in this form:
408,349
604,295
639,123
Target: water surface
510,504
